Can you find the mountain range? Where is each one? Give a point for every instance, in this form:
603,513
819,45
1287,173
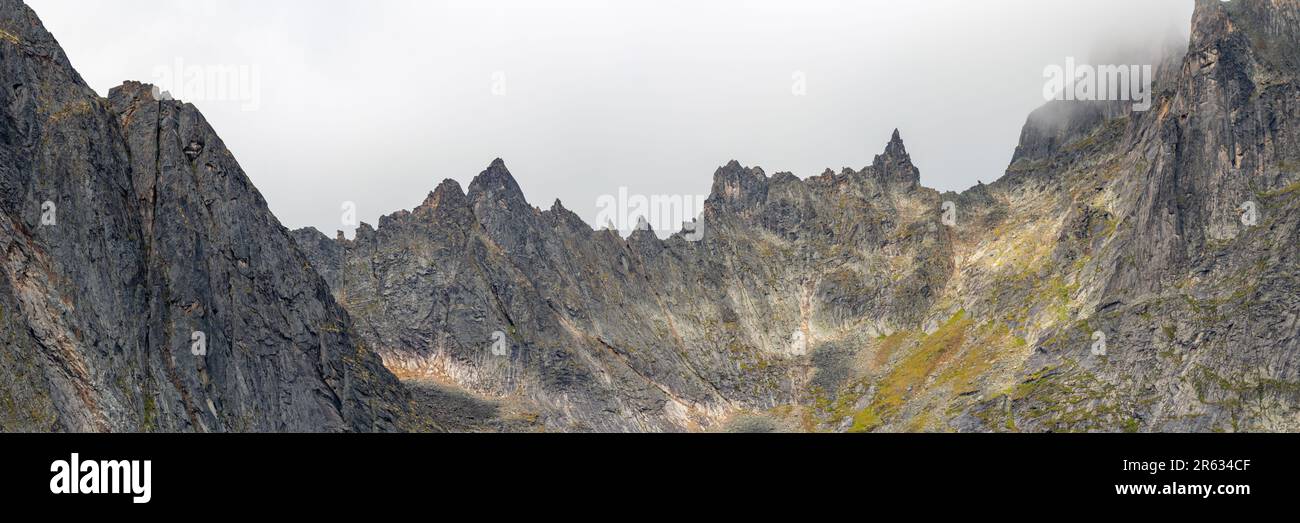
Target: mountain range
1131,271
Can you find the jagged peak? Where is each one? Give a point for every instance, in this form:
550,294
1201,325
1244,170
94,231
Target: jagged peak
448,191
364,233
784,177
137,92
445,206
388,220
309,231
894,165
738,186
643,234
895,149
132,89
735,167
560,216
448,185
496,184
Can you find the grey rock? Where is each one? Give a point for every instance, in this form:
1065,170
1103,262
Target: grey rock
1107,221
164,296
844,301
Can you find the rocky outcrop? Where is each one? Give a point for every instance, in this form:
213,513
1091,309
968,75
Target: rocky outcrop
1109,281
1193,282
1132,271
606,333
895,165
145,286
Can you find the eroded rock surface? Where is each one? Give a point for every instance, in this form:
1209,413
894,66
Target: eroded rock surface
850,301
144,284
1130,271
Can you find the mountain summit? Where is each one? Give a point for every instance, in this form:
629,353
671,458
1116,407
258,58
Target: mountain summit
895,165
1108,282
145,284
1131,271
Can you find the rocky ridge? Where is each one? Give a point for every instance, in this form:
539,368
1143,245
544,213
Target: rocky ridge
144,283
845,301
1131,271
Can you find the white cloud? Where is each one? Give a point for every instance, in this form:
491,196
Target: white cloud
375,102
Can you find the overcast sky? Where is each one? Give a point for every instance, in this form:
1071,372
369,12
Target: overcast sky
376,101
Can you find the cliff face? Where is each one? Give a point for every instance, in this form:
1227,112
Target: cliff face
1193,277
1131,271
144,284
1109,281
642,334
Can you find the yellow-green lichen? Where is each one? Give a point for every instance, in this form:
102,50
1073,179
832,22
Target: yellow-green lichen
912,371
